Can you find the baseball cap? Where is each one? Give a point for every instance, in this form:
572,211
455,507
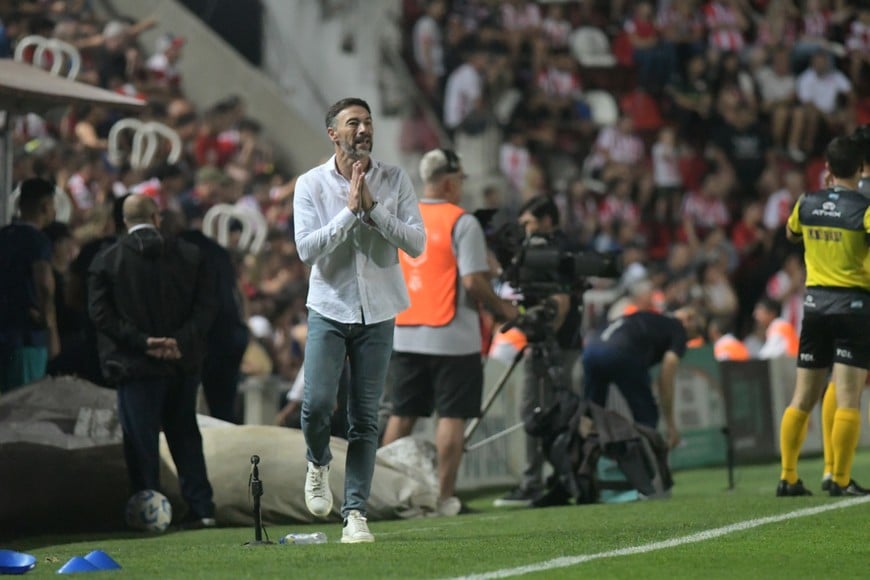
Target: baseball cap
439,162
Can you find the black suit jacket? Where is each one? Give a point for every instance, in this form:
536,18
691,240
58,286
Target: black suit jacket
147,286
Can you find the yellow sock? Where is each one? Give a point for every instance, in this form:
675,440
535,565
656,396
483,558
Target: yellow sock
829,407
792,432
844,439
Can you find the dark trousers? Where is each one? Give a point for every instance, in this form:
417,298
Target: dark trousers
220,380
538,392
604,365
170,402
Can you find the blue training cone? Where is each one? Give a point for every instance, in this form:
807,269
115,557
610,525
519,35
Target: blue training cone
102,560
77,564
12,562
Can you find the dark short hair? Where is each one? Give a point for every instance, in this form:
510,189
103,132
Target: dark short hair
844,157
249,124
343,104
33,192
542,206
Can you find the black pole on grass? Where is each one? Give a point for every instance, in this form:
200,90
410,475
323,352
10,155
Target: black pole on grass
729,456
256,488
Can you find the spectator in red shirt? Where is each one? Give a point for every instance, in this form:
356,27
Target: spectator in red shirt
162,69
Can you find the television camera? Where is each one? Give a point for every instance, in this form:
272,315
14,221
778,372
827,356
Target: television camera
537,267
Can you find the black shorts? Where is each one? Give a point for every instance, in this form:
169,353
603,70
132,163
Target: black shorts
830,338
450,385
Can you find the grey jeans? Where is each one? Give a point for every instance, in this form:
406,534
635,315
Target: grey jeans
368,348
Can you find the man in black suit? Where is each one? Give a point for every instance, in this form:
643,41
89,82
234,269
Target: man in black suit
152,302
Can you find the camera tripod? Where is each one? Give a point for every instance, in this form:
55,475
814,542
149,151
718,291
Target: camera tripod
548,370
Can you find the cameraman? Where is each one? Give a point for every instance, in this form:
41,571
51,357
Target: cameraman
539,218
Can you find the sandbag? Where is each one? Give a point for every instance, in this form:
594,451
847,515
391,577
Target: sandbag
62,467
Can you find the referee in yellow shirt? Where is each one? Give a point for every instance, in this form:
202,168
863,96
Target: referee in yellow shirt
834,225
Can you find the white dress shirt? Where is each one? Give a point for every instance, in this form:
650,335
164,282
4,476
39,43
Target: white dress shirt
355,272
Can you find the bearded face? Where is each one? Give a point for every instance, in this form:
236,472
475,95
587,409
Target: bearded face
353,132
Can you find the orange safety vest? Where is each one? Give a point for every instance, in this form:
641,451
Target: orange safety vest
432,277
788,332
730,348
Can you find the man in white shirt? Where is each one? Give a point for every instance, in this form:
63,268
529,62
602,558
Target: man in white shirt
351,215
428,47
818,90
776,83
464,91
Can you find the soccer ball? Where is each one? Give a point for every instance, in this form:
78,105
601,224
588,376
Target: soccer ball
148,510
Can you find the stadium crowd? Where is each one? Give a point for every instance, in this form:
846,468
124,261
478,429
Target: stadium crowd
720,113
722,110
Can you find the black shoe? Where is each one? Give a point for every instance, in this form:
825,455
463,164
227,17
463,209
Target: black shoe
193,522
557,495
785,489
517,497
826,483
853,489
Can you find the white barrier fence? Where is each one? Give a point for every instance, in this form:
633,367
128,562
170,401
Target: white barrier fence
757,397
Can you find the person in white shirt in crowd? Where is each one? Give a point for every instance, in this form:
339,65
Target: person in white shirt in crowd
163,64
352,215
777,85
819,90
514,158
667,178
428,46
463,94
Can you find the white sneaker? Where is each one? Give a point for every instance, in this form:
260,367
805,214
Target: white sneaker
356,530
318,496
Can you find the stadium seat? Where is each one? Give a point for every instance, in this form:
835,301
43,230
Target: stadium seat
591,47
605,111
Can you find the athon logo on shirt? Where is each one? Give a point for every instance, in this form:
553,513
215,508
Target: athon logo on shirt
829,209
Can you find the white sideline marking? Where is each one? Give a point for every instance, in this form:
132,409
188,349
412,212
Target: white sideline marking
567,561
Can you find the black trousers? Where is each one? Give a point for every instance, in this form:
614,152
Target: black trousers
220,380
144,407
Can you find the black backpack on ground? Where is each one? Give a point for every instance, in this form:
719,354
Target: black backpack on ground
575,434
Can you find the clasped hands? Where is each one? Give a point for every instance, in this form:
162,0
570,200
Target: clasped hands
359,197
163,348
